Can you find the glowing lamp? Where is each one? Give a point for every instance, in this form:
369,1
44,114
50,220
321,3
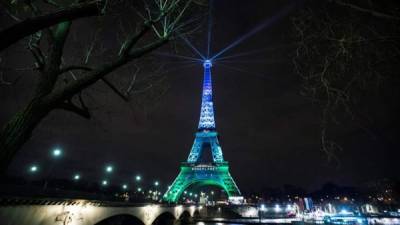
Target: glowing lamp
109,169
33,169
57,152
207,63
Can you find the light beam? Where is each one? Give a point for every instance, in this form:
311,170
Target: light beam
209,28
194,48
258,28
176,56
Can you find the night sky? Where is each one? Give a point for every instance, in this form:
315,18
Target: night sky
269,133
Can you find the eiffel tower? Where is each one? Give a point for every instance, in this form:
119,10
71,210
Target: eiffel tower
197,170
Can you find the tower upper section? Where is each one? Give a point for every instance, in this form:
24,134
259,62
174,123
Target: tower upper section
207,121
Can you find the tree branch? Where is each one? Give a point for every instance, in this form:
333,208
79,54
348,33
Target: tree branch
70,68
115,89
71,107
95,75
105,80
364,10
29,26
128,45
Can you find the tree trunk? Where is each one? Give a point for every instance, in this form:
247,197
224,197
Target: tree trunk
18,130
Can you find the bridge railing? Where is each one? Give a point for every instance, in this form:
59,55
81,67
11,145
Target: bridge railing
12,201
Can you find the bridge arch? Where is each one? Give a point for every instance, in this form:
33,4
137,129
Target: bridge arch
121,219
165,218
184,215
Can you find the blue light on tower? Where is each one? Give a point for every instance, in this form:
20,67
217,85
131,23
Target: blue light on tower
207,121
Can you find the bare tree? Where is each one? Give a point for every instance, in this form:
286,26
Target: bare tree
60,83
347,52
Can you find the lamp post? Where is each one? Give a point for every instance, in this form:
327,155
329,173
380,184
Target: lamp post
56,154
109,169
260,211
155,196
33,168
77,177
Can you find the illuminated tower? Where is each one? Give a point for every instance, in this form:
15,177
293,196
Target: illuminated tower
196,170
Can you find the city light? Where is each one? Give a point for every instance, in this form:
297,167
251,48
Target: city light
57,152
262,208
109,169
156,183
33,169
77,177
344,211
139,189
277,208
124,186
104,182
138,178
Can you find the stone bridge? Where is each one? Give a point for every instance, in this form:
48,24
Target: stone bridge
88,212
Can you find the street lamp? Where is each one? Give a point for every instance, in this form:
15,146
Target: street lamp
109,169
156,183
33,169
77,176
261,211
139,189
124,186
104,182
138,178
57,152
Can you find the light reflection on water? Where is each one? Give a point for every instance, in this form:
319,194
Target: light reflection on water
214,223
218,223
